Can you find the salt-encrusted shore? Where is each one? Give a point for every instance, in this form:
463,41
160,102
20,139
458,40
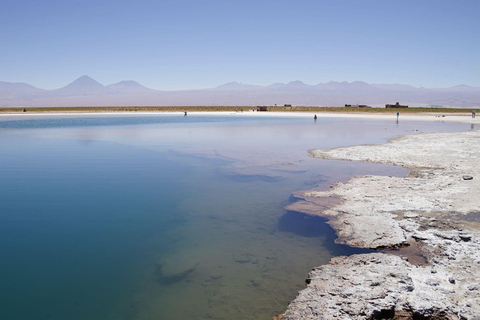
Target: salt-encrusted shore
436,209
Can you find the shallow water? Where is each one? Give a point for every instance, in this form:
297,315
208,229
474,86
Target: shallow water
167,217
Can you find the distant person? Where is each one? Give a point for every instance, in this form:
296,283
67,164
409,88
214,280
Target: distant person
473,113
185,114
398,115
315,117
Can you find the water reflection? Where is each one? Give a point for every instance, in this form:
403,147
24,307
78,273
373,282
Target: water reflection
314,226
305,225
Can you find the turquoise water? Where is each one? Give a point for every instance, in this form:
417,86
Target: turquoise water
168,217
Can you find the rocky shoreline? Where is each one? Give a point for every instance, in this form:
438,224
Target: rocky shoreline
435,210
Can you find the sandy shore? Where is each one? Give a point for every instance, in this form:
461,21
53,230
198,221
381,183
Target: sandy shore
435,210
447,117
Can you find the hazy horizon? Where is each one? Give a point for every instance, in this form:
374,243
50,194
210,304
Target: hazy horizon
237,83
86,91
172,45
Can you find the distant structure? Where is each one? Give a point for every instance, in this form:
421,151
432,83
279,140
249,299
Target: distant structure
357,106
288,105
262,108
396,105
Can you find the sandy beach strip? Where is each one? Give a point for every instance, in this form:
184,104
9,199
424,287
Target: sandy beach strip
445,117
435,209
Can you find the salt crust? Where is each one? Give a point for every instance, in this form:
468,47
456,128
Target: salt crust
432,206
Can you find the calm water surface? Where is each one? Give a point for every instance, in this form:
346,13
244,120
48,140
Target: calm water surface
168,217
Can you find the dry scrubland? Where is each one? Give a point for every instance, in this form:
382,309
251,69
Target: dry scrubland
231,109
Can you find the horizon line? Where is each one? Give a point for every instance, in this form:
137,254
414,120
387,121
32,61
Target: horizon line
247,84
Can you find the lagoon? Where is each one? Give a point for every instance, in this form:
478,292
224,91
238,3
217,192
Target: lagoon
168,217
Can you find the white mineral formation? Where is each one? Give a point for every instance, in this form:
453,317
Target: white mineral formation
435,208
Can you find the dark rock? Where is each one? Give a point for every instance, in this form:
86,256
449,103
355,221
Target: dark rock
255,283
465,237
168,279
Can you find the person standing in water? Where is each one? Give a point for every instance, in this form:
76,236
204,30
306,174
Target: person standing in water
473,113
398,114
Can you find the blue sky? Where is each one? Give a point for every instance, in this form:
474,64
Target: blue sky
187,44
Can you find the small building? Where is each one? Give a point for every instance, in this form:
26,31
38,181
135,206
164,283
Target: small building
288,105
262,108
396,105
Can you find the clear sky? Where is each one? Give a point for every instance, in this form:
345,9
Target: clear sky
187,44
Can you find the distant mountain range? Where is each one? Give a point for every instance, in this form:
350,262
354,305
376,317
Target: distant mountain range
85,91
